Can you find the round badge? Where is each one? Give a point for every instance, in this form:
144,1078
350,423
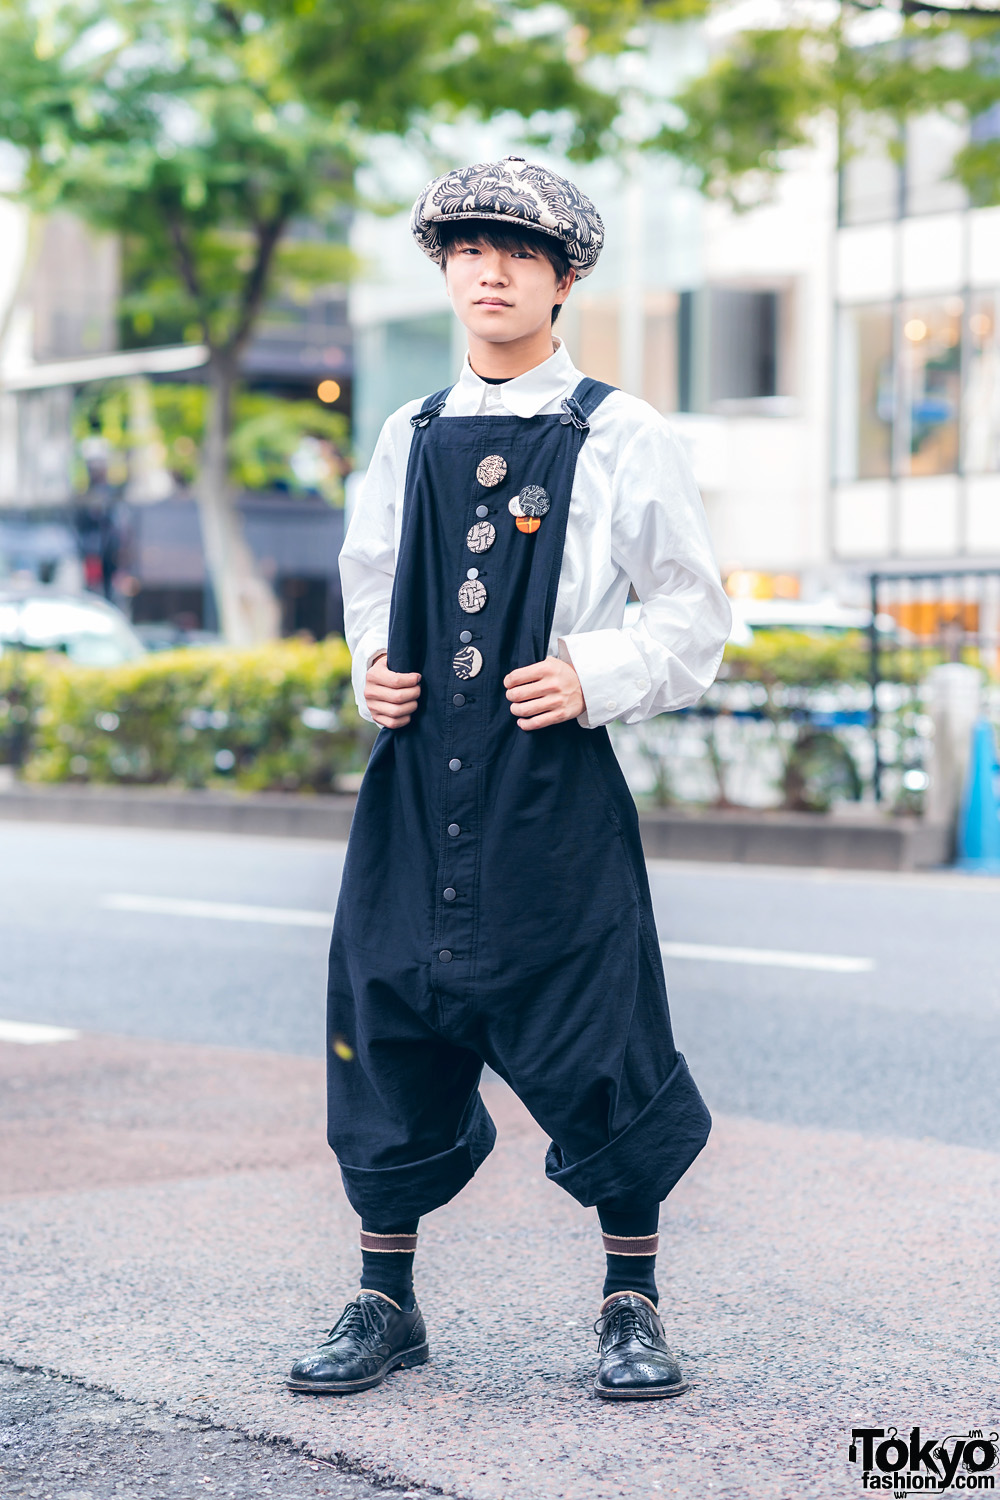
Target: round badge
481,536
514,506
467,663
534,501
527,523
491,471
472,596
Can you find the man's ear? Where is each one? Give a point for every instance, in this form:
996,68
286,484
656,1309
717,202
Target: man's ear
564,286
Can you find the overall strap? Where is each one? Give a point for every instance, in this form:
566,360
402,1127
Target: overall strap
432,407
584,401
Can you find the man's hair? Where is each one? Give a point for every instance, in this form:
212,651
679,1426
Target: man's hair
494,235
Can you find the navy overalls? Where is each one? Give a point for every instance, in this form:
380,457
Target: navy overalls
494,905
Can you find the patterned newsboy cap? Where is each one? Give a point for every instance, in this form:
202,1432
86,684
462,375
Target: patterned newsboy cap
513,191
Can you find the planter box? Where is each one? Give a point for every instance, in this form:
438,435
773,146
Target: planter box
768,838
872,842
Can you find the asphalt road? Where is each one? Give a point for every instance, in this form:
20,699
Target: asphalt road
823,1016
909,1046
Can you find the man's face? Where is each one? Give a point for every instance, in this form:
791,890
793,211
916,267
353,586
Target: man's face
502,295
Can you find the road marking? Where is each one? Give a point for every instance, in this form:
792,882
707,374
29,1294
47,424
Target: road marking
286,916
29,1032
778,958
222,911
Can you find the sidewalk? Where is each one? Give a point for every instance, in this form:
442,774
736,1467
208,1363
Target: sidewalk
172,1229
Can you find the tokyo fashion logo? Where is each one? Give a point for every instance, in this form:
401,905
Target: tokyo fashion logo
959,1461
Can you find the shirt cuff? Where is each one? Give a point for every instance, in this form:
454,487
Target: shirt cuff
612,671
369,646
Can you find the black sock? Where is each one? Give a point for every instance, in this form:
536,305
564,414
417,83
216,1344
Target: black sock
621,1222
388,1267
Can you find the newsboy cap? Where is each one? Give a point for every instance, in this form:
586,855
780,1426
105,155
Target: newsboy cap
514,192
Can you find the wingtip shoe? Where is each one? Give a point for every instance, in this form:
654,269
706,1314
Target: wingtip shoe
635,1361
372,1337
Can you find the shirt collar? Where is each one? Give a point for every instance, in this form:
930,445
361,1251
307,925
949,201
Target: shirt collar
524,395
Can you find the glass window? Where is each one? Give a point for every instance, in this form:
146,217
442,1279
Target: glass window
865,393
744,330
929,385
869,174
660,351
931,144
981,397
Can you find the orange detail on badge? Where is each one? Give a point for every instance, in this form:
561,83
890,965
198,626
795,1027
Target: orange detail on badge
527,523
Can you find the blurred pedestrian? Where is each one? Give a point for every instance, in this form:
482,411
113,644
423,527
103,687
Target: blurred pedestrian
495,907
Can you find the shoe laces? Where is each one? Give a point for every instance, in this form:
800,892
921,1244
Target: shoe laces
625,1321
363,1317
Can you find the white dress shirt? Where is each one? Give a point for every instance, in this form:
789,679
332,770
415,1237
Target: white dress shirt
635,517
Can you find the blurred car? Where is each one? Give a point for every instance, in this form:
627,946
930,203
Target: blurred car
83,627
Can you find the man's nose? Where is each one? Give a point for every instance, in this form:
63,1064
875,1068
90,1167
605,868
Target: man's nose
492,271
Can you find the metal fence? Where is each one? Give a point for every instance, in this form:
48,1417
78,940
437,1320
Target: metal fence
919,620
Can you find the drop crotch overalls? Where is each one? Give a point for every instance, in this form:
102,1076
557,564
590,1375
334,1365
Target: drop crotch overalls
494,905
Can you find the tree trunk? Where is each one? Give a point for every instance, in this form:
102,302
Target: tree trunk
248,610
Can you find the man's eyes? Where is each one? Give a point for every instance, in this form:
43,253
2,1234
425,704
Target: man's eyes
517,254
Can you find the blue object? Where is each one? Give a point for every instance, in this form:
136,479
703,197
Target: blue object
979,824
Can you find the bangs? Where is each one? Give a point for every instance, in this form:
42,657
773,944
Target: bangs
493,234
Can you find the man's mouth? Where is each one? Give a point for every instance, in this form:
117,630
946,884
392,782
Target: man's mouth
492,302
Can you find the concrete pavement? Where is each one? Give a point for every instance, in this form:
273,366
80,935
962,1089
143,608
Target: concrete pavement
811,1281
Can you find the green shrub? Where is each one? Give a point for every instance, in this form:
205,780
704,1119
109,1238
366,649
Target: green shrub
796,658
279,717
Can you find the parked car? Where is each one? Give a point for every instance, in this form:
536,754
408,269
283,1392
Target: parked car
83,627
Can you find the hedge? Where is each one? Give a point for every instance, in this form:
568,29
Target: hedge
279,717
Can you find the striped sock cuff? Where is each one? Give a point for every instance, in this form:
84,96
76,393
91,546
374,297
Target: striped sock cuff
631,1244
389,1244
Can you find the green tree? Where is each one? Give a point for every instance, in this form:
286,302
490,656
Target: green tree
863,68
203,130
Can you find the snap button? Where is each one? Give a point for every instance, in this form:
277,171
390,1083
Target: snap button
454,765
453,830
449,893
458,699
445,955
482,511
465,637
472,573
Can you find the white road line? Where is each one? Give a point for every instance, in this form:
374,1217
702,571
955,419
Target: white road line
223,911
778,958
285,916
29,1032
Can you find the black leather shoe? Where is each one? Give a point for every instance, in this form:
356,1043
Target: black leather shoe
371,1337
635,1361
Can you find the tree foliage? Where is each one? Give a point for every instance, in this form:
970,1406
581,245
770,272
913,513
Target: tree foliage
863,69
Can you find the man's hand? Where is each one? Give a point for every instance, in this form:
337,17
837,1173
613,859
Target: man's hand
391,696
547,693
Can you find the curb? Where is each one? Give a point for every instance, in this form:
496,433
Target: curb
739,837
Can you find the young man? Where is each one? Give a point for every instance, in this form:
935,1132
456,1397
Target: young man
494,906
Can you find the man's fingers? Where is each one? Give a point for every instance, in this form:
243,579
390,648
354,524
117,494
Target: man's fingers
391,723
376,694
551,701
533,689
381,674
542,721
522,675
